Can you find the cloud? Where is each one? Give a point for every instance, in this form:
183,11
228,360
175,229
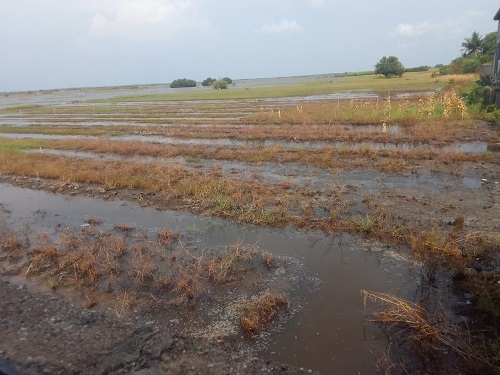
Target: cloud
285,27
409,30
146,19
318,4
443,30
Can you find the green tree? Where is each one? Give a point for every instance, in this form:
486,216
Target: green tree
489,45
183,82
207,82
389,67
472,45
227,80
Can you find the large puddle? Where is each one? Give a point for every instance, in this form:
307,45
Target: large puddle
329,333
462,147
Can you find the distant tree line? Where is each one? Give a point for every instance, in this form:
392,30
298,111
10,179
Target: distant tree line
422,68
217,83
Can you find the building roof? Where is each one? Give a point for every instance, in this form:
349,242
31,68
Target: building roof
497,16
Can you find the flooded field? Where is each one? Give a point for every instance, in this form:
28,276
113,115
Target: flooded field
248,227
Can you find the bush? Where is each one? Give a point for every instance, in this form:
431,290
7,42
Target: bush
478,95
227,80
219,85
461,65
183,82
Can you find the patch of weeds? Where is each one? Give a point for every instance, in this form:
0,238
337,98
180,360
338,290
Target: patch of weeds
223,202
366,224
192,159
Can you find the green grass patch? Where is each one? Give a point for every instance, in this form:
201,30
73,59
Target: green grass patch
57,130
17,145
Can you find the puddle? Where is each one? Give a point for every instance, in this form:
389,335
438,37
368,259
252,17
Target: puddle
330,331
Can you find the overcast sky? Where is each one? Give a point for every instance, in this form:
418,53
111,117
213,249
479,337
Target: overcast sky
75,43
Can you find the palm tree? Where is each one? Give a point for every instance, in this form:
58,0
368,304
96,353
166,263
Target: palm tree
472,45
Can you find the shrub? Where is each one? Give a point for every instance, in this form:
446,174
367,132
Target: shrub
183,82
219,85
478,95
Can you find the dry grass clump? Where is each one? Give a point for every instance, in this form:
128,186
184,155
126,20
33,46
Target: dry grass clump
127,228
166,236
10,244
267,259
262,312
221,269
189,283
430,329
428,334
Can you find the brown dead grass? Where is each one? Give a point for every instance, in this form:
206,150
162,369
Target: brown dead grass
262,312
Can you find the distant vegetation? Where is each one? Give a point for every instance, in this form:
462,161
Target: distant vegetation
476,50
422,68
183,82
217,83
354,74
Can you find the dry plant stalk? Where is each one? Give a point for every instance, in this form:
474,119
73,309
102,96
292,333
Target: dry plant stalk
421,326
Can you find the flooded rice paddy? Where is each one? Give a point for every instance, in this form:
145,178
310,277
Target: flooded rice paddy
329,229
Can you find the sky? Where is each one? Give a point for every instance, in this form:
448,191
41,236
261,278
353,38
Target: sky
87,43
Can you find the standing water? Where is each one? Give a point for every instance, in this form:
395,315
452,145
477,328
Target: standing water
329,333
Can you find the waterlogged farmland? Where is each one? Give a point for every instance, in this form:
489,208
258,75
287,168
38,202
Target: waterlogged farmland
305,226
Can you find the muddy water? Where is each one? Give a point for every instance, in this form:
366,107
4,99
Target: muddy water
329,333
